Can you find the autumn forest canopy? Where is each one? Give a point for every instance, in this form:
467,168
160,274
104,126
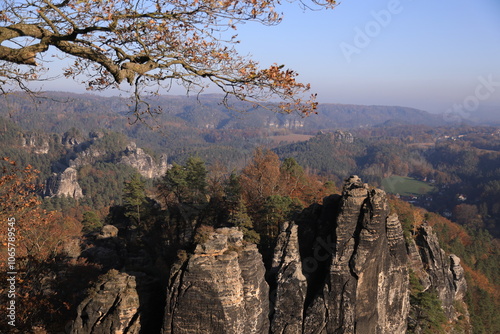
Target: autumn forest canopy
92,195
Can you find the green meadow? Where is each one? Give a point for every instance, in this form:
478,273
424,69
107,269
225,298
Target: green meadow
405,186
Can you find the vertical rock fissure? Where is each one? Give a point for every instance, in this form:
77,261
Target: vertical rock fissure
343,268
131,323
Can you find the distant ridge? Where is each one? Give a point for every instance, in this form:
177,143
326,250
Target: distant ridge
207,111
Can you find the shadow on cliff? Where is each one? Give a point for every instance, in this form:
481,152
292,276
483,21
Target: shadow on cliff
140,282
317,243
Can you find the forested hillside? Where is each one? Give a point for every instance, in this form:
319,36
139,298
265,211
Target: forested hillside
457,167
161,192
202,112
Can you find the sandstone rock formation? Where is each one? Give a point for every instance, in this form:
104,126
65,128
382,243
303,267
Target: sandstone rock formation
36,143
88,156
112,307
108,231
219,289
355,265
276,121
291,285
344,136
444,272
72,138
342,267
144,163
364,288
64,184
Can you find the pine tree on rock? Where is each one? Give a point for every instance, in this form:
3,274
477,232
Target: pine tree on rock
134,196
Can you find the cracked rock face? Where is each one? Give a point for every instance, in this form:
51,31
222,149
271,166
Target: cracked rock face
291,285
146,166
445,273
219,290
112,307
343,267
64,184
365,287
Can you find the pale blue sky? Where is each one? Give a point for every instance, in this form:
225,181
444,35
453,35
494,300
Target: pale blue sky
426,54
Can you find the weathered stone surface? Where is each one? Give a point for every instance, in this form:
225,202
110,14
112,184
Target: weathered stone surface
291,284
108,231
89,156
64,184
218,290
215,245
255,290
316,316
445,273
365,283
144,163
417,265
367,289
112,307
459,282
36,143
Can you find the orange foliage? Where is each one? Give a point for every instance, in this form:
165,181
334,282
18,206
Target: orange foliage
418,216
31,238
482,281
259,179
38,234
266,175
454,231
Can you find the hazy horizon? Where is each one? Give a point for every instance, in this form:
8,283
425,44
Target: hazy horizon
438,57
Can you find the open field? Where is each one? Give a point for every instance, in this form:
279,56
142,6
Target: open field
290,138
405,186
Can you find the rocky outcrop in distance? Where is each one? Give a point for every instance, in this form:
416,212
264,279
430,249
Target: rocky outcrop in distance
36,143
341,267
278,122
144,163
65,182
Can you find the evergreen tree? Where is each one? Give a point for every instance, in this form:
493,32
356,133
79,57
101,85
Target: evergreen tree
134,197
233,189
187,183
91,222
277,209
174,183
196,178
240,218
